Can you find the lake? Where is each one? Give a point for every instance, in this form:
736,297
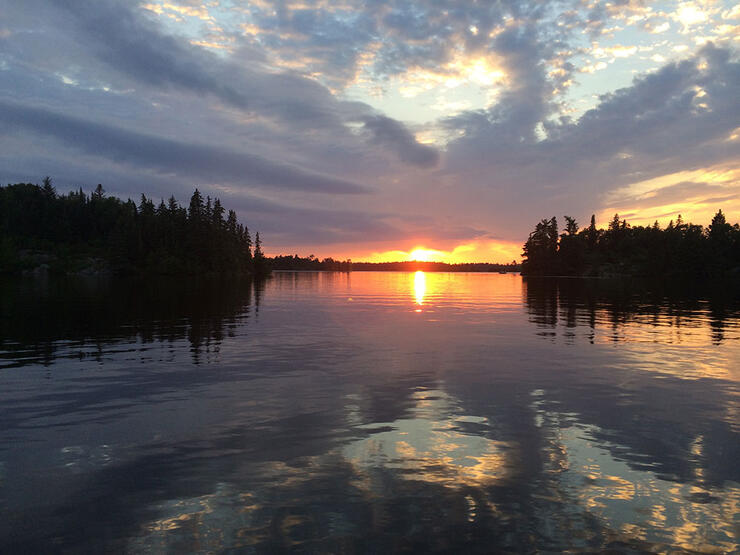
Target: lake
368,412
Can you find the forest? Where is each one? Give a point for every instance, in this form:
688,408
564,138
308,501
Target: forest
43,231
678,250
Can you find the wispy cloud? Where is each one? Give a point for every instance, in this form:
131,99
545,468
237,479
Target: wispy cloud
167,155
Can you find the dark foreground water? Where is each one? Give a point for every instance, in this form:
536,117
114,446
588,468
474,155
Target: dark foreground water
368,412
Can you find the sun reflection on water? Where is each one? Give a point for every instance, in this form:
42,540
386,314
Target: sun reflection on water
420,287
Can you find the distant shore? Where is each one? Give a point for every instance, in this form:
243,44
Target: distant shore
296,263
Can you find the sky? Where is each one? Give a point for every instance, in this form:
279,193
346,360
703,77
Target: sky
375,129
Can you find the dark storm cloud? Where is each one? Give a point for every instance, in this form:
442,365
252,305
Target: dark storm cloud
167,155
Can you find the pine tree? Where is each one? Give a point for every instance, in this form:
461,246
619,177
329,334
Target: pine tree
258,254
48,188
571,226
231,223
207,211
172,205
719,229
247,240
258,262
217,214
592,234
195,211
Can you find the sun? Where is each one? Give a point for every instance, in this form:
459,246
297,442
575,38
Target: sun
420,255
423,255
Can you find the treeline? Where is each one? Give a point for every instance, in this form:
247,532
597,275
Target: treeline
295,262
41,229
680,249
311,263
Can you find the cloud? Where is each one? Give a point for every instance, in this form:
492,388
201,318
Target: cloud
661,28
125,40
389,132
190,9
653,127
526,102
288,225
134,48
594,67
689,13
618,51
680,193
167,155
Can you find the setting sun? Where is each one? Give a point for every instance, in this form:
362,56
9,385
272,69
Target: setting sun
425,255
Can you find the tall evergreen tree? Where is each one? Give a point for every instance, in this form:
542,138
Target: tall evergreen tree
195,211
48,188
571,226
217,214
258,260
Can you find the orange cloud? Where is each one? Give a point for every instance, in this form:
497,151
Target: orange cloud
695,194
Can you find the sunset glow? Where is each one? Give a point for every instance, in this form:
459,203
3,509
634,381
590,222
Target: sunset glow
664,197
426,255
475,251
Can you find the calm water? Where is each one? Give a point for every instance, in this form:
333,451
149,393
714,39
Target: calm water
368,412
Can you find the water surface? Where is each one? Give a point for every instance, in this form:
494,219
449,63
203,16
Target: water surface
368,412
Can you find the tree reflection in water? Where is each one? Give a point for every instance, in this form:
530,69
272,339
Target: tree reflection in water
44,320
619,306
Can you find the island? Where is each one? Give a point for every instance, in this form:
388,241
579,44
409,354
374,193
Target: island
678,250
